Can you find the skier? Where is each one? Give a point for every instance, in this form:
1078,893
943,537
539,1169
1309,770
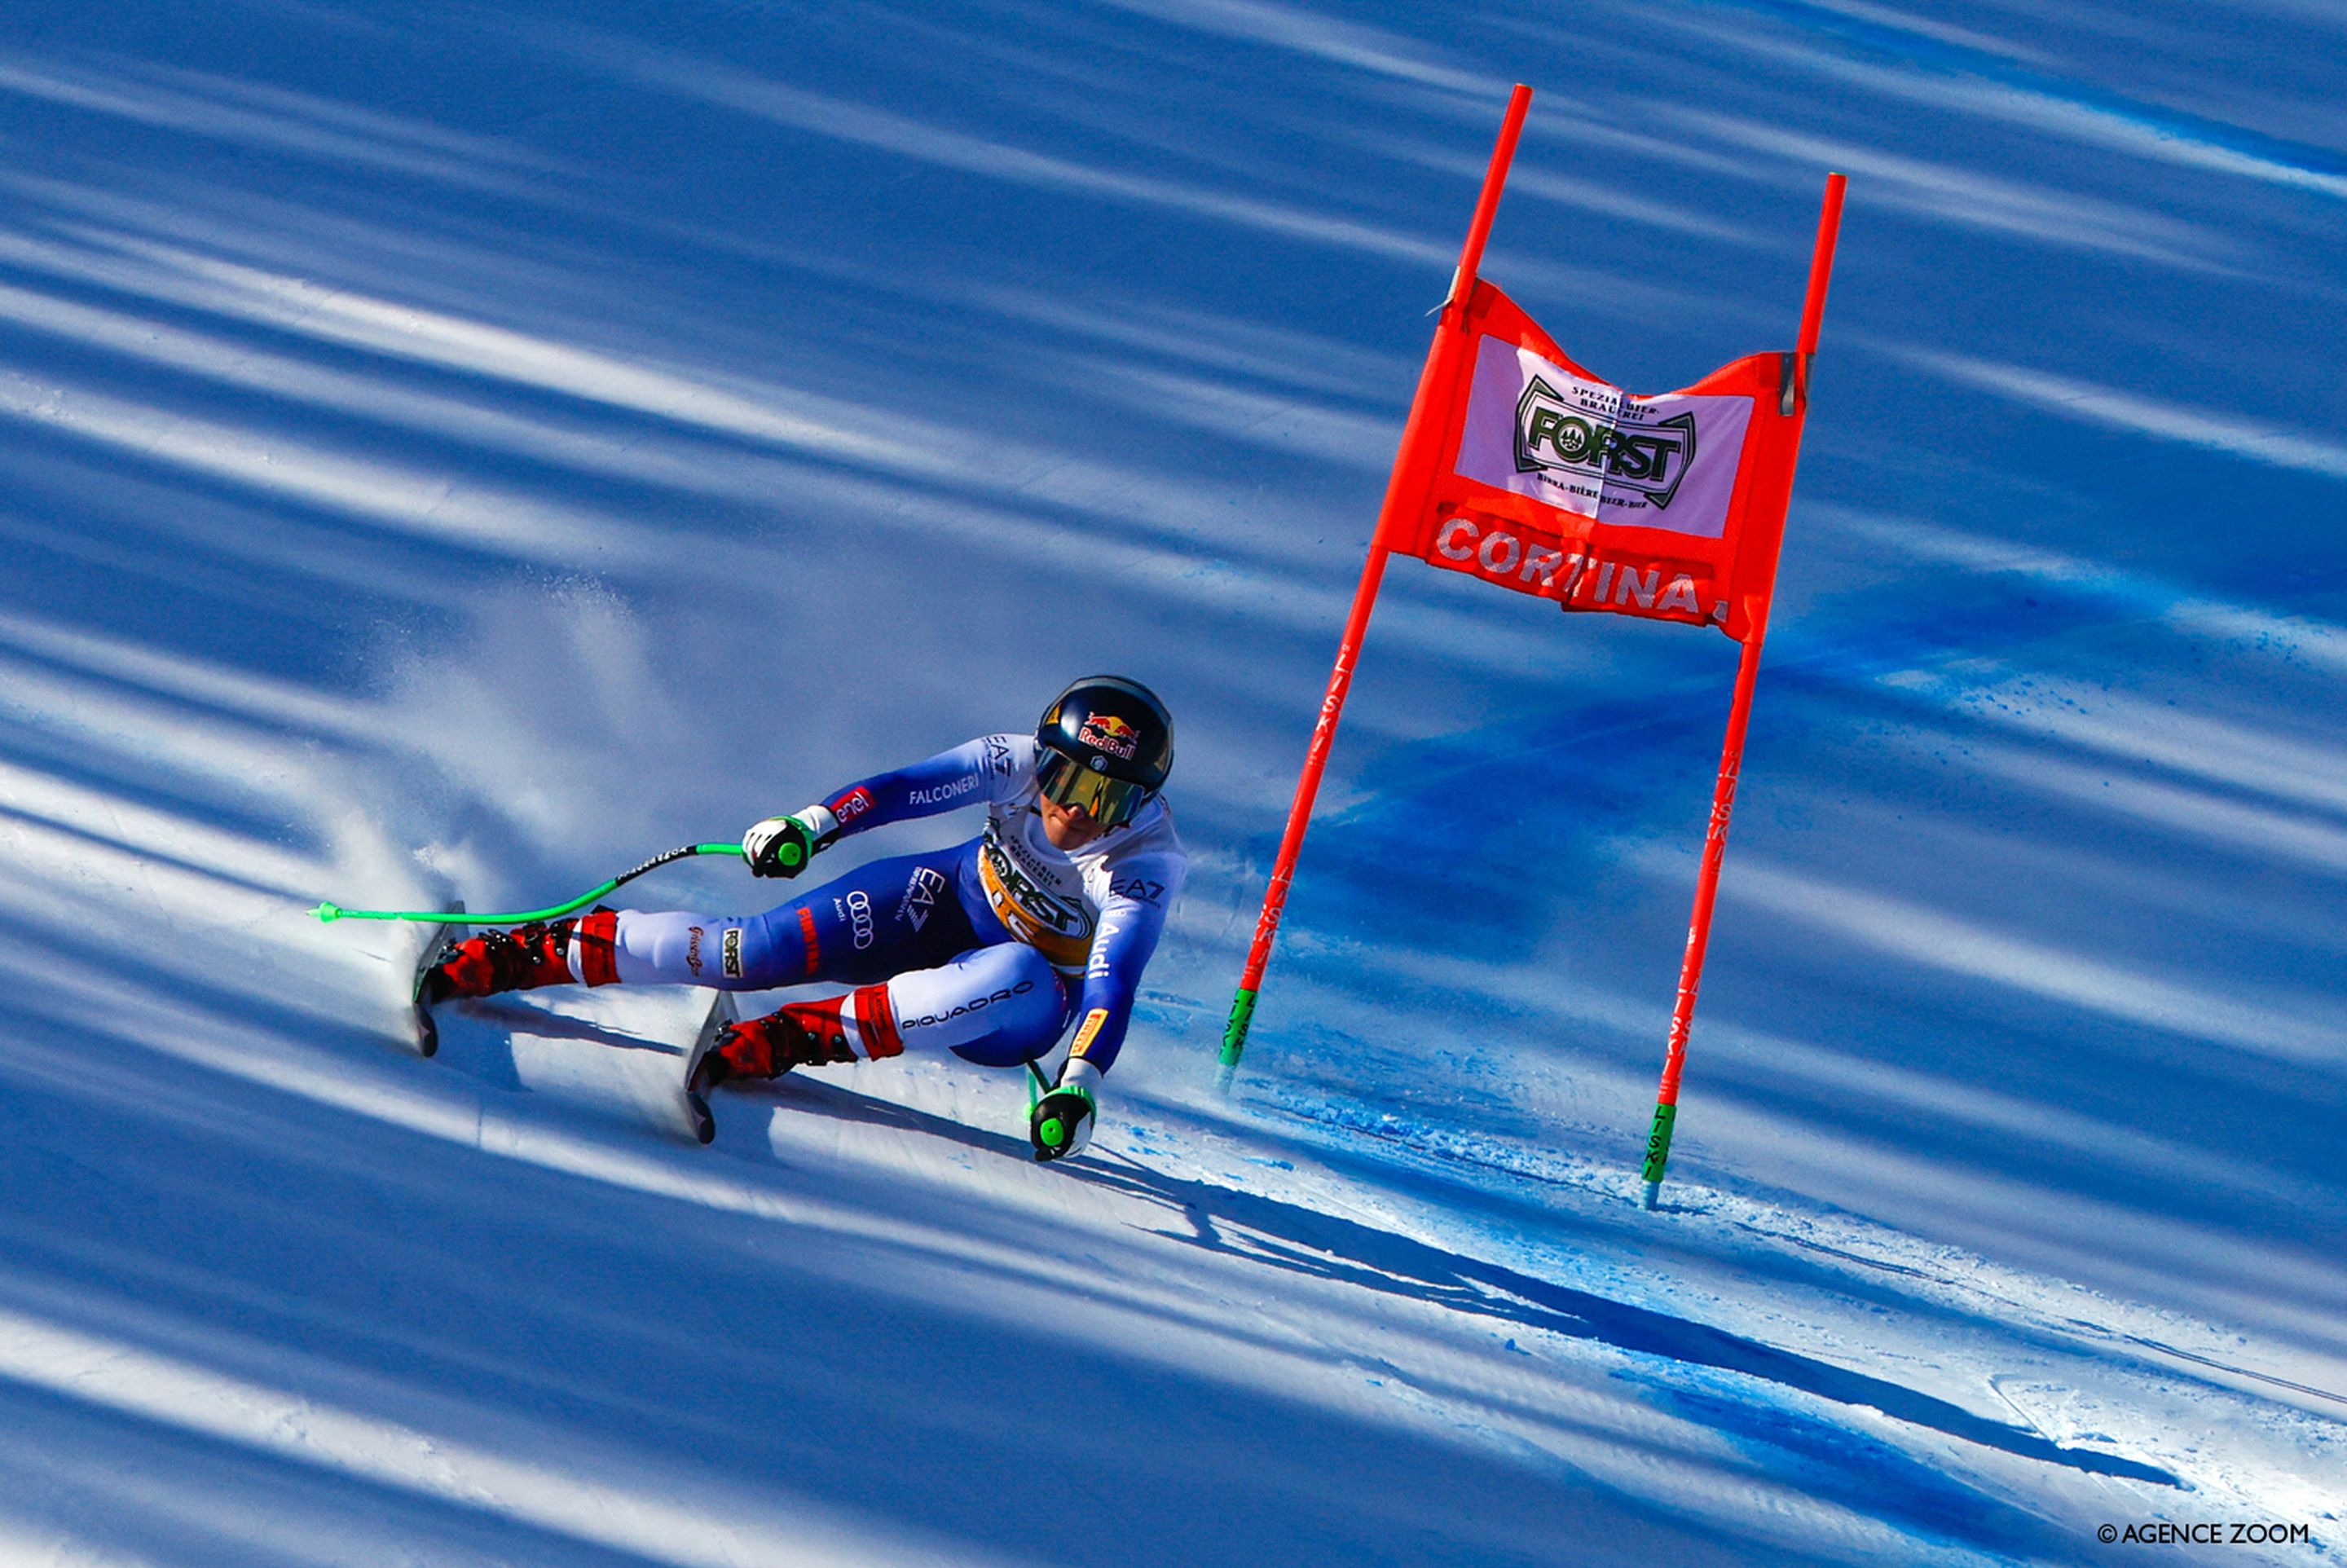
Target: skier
988,948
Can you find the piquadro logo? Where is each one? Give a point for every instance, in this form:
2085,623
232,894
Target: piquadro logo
1553,433
975,1004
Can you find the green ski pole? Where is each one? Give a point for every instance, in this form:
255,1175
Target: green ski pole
443,917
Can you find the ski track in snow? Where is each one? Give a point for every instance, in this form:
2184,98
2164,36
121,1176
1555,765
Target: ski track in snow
460,452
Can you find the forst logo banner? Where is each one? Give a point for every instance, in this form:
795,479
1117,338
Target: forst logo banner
1651,459
1536,429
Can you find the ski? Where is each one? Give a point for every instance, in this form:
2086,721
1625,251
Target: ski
428,1030
696,1104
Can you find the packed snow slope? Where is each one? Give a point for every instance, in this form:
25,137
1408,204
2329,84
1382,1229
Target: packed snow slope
459,450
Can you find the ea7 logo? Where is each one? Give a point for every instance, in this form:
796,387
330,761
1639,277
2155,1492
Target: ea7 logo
921,895
1648,457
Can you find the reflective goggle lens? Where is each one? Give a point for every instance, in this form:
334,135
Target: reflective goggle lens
1107,800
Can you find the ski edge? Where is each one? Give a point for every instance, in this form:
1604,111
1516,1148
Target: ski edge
697,1116
437,939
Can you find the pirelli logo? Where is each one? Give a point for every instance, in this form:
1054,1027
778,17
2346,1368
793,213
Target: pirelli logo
1094,1022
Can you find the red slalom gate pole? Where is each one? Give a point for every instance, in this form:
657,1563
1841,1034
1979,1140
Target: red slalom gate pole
1707,890
1404,494
1731,754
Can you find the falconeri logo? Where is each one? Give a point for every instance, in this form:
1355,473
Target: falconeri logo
1553,433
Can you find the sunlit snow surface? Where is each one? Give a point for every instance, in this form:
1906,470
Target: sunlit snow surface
461,450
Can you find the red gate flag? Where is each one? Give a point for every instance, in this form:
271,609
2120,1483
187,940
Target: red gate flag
1538,476
1521,468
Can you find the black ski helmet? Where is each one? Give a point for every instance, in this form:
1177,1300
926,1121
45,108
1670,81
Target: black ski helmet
1105,743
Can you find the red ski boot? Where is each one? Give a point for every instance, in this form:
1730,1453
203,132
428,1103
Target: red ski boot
524,959
852,1028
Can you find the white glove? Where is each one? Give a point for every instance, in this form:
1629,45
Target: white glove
782,846
1062,1122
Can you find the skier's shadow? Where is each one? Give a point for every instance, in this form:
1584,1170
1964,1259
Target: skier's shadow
1327,1246
547,1025
476,1037
804,1092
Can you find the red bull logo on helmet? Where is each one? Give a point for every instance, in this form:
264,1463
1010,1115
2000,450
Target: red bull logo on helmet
1110,733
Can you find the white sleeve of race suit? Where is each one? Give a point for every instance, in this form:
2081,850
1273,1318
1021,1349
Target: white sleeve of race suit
1142,890
1010,764
989,768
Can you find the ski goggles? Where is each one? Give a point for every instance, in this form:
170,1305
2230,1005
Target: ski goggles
1108,801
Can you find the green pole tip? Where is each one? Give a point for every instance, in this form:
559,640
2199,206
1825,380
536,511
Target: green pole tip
328,912
1658,1143
1235,1033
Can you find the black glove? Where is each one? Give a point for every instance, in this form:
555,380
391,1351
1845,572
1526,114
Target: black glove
1062,1122
779,847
